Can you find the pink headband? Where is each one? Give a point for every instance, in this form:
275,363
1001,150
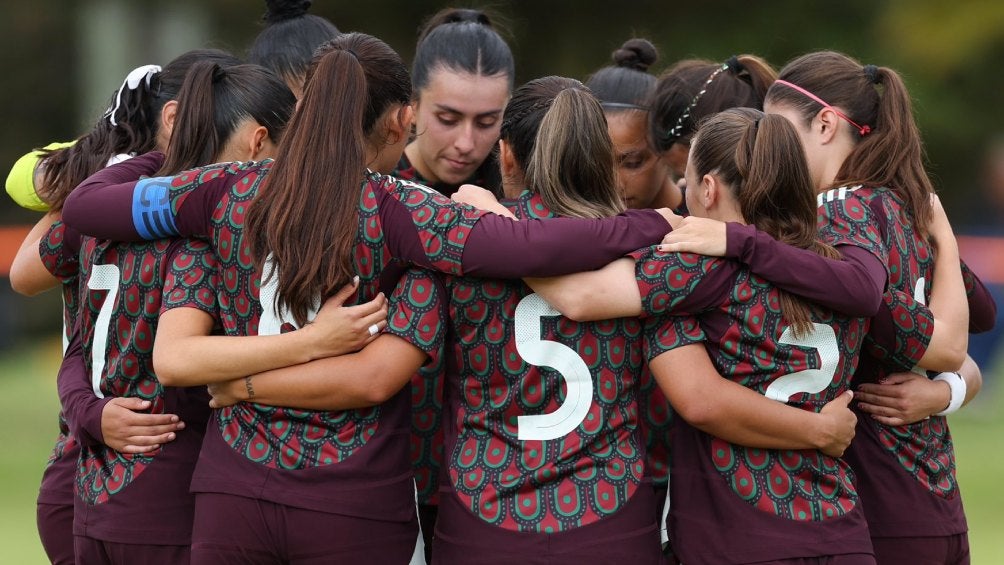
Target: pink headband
862,130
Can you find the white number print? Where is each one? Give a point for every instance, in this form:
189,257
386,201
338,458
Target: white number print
809,381
103,277
561,358
271,320
918,295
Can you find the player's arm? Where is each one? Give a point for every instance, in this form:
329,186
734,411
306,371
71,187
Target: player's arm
415,333
739,415
604,294
852,284
28,274
185,354
357,380
948,303
906,398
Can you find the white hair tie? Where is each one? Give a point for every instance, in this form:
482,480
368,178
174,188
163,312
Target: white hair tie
132,80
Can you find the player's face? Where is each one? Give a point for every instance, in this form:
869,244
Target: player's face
694,189
812,155
641,173
457,121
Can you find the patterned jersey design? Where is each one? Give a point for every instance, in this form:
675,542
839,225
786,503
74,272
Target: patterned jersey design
289,439
419,316
128,347
192,279
64,267
754,350
656,418
540,485
427,429
924,449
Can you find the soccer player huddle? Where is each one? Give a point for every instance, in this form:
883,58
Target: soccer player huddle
320,308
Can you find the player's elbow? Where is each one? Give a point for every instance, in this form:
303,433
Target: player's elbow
23,285
169,366
701,414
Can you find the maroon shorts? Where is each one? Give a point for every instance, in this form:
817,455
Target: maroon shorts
629,536
97,552
55,530
849,559
941,550
238,530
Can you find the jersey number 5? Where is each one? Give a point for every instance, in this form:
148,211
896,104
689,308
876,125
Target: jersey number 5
561,358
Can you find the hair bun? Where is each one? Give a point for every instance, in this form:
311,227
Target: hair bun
282,10
460,15
638,54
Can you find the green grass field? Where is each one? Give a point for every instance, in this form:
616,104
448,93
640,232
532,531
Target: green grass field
28,407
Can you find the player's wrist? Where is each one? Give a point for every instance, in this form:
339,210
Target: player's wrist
957,392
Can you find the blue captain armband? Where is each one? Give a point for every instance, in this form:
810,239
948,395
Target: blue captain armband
151,208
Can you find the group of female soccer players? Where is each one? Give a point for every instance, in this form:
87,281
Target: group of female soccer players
544,378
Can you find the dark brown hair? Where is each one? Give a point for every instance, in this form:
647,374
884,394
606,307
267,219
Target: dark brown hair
306,214
291,35
213,102
461,40
571,167
760,157
684,96
892,154
627,84
135,131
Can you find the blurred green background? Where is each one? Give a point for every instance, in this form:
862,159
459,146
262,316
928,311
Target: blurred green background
65,58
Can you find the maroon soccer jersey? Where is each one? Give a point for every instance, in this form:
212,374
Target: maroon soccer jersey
60,469
427,430
342,460
121,497
763,504
906,474
542,418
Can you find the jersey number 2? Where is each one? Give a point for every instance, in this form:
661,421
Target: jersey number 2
809,381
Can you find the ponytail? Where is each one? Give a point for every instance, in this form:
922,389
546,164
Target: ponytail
572,167
306,214
891,154
129,126
215,101
136,114
762,159
194,139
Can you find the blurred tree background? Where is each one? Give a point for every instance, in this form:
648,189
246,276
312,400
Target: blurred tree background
65,59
